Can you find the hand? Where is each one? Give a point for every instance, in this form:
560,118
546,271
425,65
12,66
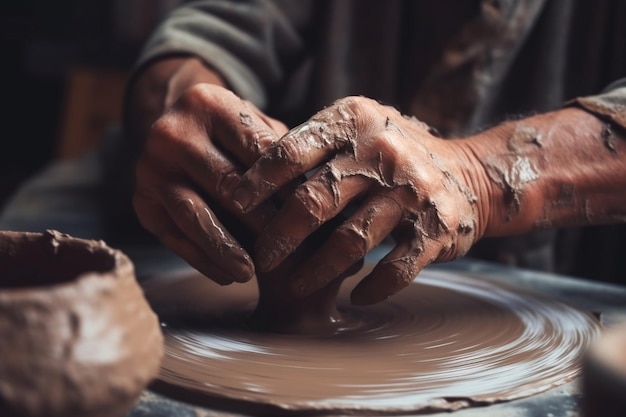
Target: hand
398,177
192,158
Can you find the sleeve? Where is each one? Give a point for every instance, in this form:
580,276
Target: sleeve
252,44
610,104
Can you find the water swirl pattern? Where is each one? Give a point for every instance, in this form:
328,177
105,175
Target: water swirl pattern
445,342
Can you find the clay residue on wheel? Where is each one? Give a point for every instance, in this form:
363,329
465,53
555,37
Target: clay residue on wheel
446,342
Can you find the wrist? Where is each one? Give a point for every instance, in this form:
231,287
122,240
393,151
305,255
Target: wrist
186,74
549,170
470,154
158,86
506,174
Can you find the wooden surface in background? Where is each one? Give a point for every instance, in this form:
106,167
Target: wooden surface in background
93,102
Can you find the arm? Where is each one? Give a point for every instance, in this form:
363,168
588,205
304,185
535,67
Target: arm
438,197
563,168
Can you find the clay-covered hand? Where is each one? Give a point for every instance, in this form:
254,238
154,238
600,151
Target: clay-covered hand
390,173
191,160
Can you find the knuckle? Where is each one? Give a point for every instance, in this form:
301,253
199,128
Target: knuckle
289,151
401,272
164,128
183,210
262,139
164,131
225,182
388,145
365,109
349,101
195,95
355,103
351,108
359,112
172,137
313,199
354,239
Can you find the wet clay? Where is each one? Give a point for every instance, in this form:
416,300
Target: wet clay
446,342
78,337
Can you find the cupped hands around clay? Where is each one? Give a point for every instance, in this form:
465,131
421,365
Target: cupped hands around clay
192,157
391,173
79,338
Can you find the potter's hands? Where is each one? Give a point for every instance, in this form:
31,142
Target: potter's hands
192,158
398,176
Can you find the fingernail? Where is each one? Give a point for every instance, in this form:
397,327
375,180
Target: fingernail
242,198
245,270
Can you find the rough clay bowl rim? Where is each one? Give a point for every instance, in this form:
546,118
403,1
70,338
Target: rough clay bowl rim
121,267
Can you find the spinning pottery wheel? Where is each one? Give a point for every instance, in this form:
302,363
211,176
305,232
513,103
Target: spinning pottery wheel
448,341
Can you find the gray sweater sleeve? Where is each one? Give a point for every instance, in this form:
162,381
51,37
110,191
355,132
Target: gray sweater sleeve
610,104
252,44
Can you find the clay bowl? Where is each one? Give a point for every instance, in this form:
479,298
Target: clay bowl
77,337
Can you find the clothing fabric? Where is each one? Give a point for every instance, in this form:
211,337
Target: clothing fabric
458,66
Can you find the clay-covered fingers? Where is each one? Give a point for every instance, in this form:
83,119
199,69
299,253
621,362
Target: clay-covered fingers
191,160
369,225
194,157
396,270
180,150
435,229
313,203
299,151
234,125
201,252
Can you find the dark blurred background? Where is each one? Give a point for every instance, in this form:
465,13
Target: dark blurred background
64,66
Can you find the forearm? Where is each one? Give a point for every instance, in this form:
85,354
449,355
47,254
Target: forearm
158,86
563,168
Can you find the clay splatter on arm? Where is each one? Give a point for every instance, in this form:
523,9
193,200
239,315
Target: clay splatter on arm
561,168
607,135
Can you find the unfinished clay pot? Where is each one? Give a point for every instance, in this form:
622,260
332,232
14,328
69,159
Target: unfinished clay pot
77,337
